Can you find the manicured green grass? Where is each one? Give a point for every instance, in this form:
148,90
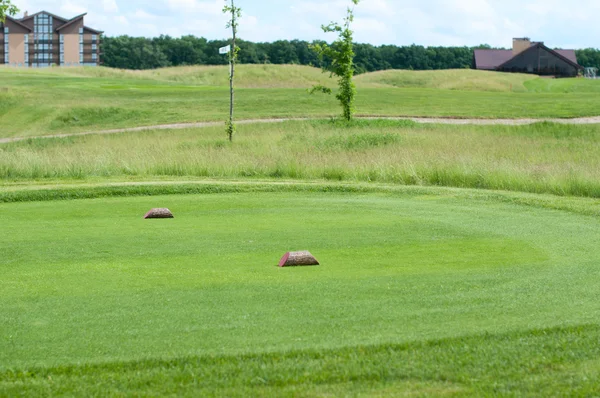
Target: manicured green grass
546,362
541,158
419,291
45,102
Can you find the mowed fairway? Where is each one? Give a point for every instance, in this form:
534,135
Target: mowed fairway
97,300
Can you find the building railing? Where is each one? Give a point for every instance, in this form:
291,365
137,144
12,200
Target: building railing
57,42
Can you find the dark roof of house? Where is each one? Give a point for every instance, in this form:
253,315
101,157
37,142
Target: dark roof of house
71,21
43,12
568,54
16,21
99,32
493,59
555,53
66,21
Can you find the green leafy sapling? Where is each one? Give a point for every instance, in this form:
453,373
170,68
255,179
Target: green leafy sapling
341,55
236,14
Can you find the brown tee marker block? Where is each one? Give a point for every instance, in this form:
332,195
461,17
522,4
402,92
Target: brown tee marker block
296,259
159,213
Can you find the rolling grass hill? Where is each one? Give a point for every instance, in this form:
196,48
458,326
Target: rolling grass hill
49,101
297,76
247,76
457,79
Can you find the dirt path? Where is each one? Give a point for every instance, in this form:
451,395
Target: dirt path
424,120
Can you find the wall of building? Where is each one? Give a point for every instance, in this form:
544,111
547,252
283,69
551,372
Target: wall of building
539,61
1,44
16,43
71,42
88,47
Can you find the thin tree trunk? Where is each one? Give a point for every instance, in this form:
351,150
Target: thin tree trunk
232,72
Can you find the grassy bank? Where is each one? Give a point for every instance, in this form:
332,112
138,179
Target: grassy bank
418,293
541,158
65,100
529,363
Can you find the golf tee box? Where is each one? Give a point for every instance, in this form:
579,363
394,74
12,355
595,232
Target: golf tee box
298,259
159,213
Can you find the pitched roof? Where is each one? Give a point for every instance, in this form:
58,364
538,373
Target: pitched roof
44,12
493,59
99,32
71,21
568,54
18,23
543,46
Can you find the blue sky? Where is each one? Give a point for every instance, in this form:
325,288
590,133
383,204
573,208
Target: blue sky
428,22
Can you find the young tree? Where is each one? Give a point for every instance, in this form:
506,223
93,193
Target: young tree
6,8
341,57
236,14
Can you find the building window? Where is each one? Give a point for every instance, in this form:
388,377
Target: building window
6,47
42,39
26,49
94,57
94,47
81,45
94,38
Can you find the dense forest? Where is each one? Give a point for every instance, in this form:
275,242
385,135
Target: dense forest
142,53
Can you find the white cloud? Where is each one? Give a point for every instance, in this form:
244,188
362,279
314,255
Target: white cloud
206,7
141,14
402,22
110,6
71,9
121,19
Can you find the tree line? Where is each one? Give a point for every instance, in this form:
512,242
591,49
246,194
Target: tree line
128,52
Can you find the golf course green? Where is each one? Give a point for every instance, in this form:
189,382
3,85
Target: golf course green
90,283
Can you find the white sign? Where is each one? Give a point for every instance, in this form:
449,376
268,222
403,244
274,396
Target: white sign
224,50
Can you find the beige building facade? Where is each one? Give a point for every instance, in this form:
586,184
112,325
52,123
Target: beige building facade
44,39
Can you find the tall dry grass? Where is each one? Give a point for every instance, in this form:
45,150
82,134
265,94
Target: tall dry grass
542,158
298,76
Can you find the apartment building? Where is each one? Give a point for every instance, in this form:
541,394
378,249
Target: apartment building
44,39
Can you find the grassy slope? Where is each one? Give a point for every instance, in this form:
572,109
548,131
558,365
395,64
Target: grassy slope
408,268
548,158
247,76
296,76
460,79
72,100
